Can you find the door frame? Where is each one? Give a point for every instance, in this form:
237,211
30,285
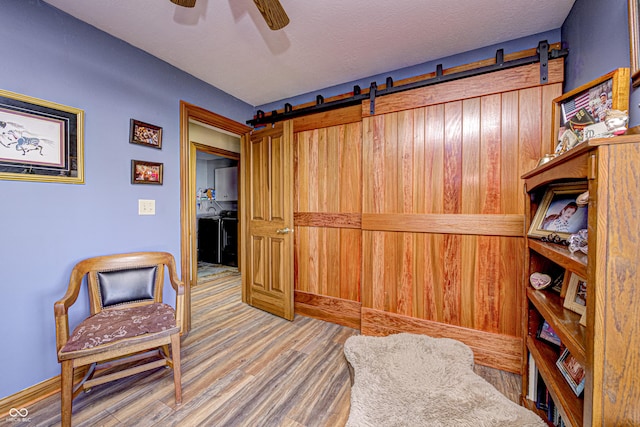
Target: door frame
187,190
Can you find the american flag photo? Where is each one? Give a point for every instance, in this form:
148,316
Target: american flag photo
572,106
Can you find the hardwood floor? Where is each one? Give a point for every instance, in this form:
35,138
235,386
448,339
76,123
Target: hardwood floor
240,367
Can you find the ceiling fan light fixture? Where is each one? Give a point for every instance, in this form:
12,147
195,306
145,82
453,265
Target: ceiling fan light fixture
184,3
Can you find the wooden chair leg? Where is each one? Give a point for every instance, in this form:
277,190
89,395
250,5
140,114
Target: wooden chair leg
66,392
175,356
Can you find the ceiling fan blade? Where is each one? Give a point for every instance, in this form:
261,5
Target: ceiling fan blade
273,13
184,3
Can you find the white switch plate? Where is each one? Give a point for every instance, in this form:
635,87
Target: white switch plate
146,207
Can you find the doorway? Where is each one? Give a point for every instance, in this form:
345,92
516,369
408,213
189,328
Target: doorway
216,202
190,143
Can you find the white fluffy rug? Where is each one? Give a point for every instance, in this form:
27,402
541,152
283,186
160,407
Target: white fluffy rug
416,380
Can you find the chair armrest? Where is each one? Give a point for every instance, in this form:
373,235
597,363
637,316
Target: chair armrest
178,286
61,307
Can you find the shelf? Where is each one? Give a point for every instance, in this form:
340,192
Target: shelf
574,166
570,406
559,254
565,322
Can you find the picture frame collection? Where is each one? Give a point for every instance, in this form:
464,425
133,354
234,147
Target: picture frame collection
148,135
43,141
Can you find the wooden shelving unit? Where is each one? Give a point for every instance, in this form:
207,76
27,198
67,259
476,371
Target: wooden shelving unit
612,393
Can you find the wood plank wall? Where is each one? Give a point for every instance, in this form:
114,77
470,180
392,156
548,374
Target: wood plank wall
327,215
417,213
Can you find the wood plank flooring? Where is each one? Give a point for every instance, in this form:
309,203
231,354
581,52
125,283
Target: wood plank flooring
240,367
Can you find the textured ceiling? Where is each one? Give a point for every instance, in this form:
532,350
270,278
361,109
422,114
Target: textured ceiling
227,44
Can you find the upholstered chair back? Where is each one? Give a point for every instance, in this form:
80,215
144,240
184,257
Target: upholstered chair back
115,283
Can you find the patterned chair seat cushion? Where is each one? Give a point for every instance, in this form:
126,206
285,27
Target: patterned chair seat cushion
109,326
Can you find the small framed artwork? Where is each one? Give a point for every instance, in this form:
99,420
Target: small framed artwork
546,333
145,134
556,284
576,297
572,371
146,172
40,140
559,213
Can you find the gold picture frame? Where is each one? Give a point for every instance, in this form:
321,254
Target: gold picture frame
576,296
40,140
557,200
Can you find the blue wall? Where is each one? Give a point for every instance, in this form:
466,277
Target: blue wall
45,228
597,35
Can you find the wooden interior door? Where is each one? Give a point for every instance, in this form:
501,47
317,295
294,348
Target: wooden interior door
267,181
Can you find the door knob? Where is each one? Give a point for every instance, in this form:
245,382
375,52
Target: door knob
284,231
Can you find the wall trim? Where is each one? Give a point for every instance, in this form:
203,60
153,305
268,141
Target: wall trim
490,349
330,309
35,393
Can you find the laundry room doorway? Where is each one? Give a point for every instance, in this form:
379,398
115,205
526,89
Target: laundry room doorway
209,174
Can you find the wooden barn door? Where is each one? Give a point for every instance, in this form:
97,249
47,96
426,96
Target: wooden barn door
443,208
267,197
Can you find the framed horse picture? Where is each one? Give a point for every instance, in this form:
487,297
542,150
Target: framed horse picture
40,140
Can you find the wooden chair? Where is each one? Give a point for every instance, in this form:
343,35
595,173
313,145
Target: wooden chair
129,325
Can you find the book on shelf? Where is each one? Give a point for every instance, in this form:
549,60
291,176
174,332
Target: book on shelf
533,379
542,395
551,408
544,402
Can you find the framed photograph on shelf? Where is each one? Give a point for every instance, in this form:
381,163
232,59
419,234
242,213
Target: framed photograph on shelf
556,284
40,140
146,172
634,40
546,333
558,212
145,134
576,296
572,371
587,105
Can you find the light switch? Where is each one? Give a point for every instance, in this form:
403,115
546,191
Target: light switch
146,207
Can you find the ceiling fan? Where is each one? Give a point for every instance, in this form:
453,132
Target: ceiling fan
271,11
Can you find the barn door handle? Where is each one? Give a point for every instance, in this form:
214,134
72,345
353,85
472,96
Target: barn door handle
284,231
